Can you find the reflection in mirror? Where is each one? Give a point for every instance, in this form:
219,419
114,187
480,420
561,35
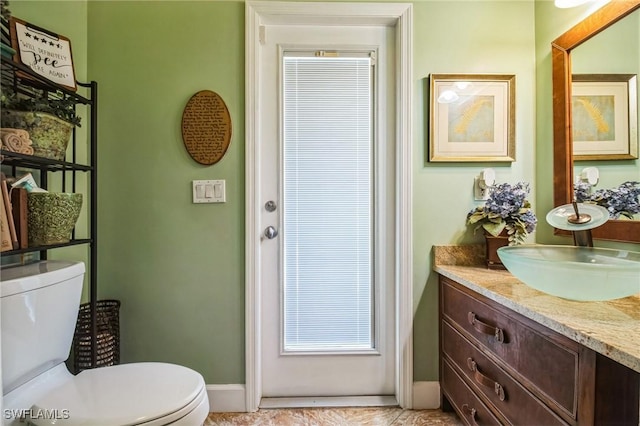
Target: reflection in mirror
574,41
619,45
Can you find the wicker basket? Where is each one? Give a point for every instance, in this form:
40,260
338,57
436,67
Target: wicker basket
108,336
49,134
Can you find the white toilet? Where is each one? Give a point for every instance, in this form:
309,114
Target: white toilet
40,305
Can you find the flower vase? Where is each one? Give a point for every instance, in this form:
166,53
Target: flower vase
492,246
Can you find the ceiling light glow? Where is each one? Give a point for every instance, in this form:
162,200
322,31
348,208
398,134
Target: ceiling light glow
447,96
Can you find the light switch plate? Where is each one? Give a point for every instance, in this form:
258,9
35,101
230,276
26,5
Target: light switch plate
209,191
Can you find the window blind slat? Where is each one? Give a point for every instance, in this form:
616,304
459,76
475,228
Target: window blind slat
327,203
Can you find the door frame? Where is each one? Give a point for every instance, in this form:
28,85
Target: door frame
400,16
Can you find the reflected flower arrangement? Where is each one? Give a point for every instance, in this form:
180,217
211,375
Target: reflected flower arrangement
621,202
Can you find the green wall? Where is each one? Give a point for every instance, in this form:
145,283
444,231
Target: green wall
178,267
461,37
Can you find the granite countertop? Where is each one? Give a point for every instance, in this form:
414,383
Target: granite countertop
611,328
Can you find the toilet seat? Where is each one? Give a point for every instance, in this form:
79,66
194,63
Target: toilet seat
148,394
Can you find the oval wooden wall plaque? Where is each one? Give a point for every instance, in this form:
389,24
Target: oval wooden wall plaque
206,127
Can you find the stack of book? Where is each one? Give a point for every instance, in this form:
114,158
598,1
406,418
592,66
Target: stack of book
13,217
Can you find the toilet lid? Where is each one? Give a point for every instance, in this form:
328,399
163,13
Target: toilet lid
127,394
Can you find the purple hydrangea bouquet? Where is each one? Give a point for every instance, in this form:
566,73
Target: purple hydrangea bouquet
623,201
506,208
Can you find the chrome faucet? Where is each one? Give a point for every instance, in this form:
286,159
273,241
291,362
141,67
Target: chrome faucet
568,217
581,238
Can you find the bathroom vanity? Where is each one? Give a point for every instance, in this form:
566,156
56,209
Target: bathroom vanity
510,354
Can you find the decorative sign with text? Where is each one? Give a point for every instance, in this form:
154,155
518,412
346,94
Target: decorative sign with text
206,127
46,53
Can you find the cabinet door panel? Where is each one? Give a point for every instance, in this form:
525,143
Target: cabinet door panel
544,362
512,400
470,409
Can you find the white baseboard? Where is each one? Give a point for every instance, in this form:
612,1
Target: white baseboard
231,398
426,395
226,398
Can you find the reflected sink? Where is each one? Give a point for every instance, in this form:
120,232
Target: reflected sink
575,273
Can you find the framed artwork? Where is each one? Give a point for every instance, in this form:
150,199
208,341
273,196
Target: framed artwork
44,52
472,118
604,116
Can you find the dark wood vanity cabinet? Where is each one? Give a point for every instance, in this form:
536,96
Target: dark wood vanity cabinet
499,367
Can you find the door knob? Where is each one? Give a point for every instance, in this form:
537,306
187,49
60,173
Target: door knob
270,232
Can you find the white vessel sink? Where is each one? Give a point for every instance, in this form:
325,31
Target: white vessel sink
575,273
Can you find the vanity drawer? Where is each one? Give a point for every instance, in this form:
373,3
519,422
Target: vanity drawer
512,400
542,360
471,410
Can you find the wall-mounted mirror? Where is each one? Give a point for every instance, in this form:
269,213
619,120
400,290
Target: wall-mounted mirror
563,50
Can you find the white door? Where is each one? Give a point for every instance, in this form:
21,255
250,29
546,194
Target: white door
260,17
327,179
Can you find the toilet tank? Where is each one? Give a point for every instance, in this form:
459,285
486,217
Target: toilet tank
40,303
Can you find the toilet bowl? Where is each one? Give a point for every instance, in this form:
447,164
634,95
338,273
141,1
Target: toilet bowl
39,308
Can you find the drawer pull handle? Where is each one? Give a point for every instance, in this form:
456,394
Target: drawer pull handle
471,412
485,381
483,328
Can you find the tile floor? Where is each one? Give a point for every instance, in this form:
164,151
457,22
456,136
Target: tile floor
369,416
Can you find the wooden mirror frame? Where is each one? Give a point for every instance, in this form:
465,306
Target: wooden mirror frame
607,15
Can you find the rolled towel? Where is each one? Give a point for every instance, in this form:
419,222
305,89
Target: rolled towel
16,140
20,132
27,150
12,141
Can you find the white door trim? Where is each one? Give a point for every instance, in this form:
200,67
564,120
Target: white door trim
400,15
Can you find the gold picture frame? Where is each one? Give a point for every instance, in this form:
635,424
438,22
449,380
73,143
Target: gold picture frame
472,118
604,116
